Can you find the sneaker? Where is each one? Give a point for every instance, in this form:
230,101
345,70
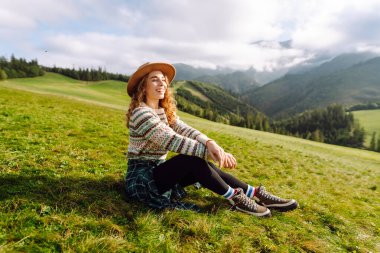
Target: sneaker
241,202
269,200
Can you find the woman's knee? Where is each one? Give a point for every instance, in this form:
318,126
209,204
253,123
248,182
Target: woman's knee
190,159
193,164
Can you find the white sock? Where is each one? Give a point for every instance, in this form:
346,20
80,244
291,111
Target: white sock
250,191
230,193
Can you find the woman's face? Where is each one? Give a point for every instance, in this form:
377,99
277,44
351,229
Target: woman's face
156,86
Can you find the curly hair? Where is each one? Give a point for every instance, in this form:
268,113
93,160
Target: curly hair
168,103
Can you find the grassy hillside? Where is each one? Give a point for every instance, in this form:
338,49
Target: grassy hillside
111,93
189,87
370,120
62,166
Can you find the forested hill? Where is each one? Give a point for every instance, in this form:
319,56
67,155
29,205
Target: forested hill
213,103
344,80
228,79
238,81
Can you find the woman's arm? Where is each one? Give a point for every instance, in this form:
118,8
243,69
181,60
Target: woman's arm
182,128
215,152
145,123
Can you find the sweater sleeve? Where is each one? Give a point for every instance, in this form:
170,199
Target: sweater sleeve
148,125
183,129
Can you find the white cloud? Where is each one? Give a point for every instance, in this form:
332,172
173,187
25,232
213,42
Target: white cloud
125,53
336,26
21,15
122,35
214,20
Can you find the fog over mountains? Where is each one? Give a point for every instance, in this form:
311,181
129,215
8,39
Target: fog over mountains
348,79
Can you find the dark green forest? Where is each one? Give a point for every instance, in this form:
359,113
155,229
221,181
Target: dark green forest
88,74
19,68
330,125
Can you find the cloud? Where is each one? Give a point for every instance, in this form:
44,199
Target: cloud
121,35
337,26
20,16
200,21
124,53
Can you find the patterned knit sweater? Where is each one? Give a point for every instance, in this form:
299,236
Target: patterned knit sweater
150,136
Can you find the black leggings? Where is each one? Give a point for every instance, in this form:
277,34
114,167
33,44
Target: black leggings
187,170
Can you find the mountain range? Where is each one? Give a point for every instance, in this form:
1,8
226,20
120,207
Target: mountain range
228,79
346,79
237,81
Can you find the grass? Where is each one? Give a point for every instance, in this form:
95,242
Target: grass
370,120
108,93
62,168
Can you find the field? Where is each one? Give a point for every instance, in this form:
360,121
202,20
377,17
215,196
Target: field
370,120
62,168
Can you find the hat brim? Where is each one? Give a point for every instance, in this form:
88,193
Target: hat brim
166,68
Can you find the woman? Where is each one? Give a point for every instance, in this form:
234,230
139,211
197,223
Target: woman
155,129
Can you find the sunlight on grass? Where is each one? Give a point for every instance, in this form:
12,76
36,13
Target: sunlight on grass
369,119
62,168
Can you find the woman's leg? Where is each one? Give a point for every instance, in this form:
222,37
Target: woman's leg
229,179
190,169
186,170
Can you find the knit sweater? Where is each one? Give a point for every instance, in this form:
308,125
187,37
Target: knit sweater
151,137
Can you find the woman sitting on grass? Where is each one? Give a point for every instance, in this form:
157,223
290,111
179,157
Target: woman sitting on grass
155,128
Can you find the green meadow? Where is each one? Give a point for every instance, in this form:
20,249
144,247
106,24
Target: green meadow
370,120
62,168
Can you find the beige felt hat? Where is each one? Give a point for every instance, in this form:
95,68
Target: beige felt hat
166,68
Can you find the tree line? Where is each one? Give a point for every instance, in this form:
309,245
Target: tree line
365,106
87,74
330,125
374,145
19,68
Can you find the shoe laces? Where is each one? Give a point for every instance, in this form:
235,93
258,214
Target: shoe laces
243,199
263,192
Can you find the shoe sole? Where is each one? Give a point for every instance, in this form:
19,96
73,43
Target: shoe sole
266,214
282,207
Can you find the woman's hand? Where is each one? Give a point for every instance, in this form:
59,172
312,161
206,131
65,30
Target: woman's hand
216,152
230,161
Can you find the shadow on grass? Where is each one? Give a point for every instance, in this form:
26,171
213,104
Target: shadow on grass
100,197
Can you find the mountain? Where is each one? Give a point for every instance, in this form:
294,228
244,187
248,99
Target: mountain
187,72
212,102
346,79
228,79
237,82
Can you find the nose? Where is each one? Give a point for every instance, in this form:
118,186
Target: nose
161,83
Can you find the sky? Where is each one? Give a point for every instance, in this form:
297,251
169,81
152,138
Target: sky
239,34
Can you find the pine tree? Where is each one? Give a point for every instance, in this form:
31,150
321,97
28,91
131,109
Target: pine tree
372,145
3,75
